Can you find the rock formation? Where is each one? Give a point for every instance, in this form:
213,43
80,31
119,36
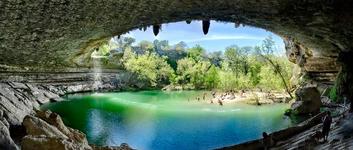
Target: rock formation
6,141
46,131
308,101
18,99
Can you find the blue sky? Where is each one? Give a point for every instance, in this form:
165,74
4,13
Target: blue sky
220,36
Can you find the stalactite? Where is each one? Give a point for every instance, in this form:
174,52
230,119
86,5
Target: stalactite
156,29
237,24
205,26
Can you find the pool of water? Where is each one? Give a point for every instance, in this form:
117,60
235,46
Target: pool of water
159,120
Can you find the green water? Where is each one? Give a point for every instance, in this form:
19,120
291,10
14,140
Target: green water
158,120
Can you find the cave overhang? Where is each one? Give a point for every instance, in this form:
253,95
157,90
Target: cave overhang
56,35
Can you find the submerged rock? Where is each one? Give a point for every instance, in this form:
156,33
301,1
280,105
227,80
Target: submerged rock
308,101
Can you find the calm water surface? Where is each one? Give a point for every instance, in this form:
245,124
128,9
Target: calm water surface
158,120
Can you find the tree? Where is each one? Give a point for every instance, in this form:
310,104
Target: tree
184,70
265,52
197,53
237,59
181,46
216,58
211,77
123,42
148,67
196,73
146,46
255,71
268,46
161,45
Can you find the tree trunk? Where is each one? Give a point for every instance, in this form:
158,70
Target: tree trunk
280,74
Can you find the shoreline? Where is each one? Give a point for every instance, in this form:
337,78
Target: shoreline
248,97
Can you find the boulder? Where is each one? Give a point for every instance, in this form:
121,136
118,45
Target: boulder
43,142
56,121
307,101
46,131
36,126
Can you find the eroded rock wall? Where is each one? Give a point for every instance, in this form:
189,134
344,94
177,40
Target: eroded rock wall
321,69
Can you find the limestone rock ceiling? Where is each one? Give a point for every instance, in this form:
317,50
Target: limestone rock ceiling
54,34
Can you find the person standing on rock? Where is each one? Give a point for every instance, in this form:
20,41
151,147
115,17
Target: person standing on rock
327,120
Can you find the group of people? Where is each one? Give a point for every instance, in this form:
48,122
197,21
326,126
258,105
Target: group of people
219,98
204,97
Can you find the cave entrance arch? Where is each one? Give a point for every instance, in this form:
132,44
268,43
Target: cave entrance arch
61,32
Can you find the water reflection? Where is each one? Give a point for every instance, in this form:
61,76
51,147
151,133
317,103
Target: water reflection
154,120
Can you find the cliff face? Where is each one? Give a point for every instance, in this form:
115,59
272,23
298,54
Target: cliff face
322,69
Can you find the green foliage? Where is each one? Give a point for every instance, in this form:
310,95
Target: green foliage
268,46
146,46
148,66
255,77
196,73
211,77
238,68
196,53
333,94
237,59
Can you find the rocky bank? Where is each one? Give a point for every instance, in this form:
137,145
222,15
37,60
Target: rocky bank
22,127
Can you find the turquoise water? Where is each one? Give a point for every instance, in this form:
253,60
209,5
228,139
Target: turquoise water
158,120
